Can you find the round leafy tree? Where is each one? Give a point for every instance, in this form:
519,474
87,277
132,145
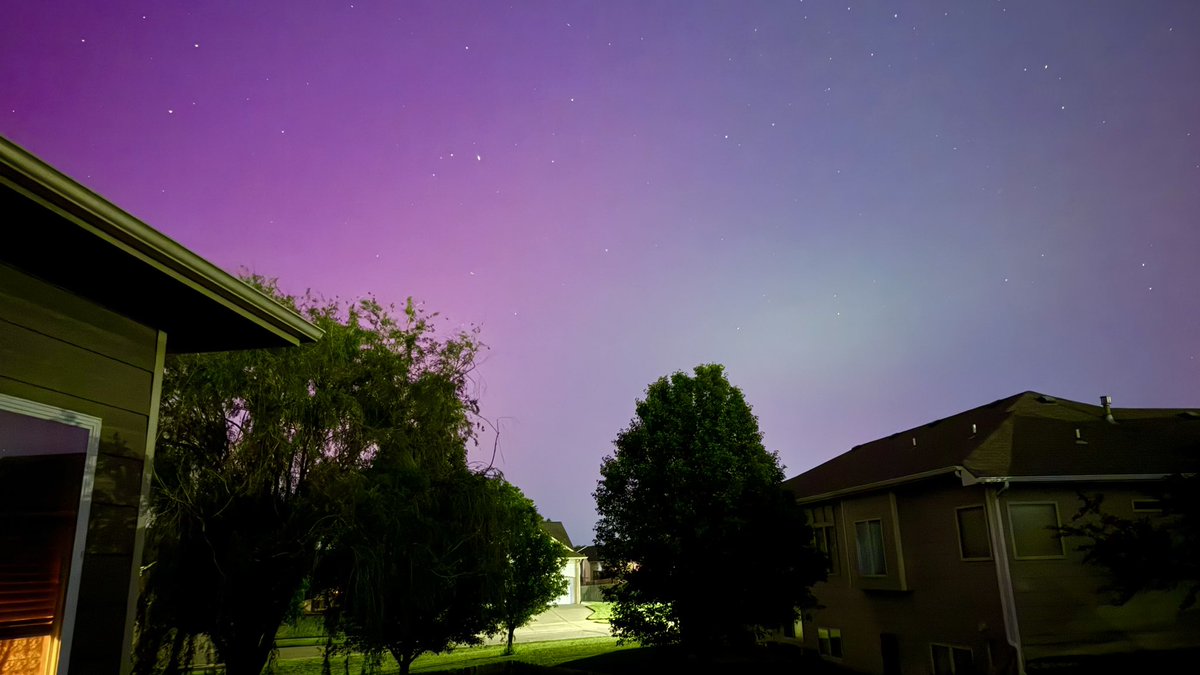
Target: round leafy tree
708,545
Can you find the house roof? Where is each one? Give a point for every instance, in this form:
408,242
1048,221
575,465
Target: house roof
1023,436
71,237
556,529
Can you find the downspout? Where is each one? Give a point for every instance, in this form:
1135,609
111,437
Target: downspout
1008,601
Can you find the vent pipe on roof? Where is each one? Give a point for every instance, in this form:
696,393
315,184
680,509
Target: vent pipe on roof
1106,401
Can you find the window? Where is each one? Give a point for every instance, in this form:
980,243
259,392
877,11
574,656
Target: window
868,535
825,534
951,660
1034,530
1147,505
829,642
973,540
47,467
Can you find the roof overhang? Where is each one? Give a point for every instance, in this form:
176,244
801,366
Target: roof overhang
65,234
879,485
968,479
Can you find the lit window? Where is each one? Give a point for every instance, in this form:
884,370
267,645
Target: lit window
825,534
1034,530
951,660
829,642
868,535
973,541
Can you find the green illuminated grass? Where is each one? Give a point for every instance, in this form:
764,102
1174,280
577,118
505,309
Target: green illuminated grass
537,653
601,611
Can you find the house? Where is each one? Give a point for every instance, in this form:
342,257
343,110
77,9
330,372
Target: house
943,556
91,301
572,569
595,569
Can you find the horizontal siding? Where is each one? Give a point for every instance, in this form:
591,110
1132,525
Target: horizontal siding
57,365
49,310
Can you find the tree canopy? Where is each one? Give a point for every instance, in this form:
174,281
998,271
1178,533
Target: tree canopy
254,450
532,578
1156,552
708,545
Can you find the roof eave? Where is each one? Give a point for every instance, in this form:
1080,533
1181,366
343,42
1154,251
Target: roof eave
137,239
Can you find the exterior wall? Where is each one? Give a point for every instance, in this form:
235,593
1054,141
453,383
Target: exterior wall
574,593
945,599
60,350
1059,603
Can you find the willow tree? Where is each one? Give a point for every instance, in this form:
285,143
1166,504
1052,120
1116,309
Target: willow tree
253,448
707,545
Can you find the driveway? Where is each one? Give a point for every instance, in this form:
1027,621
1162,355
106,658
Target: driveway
560,622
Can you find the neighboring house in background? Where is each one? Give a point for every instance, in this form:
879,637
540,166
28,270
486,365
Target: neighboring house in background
91,301
595,570
572,568
943,554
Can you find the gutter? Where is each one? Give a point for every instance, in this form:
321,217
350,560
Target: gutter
1008,600
969,479
30,176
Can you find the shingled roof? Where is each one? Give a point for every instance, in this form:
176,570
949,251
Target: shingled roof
555,529
1022,436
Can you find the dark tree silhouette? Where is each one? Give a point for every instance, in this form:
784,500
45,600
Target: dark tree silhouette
1153,552
533,578
707,544
252,447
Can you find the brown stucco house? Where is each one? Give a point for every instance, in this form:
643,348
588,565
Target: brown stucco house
91,301
942,548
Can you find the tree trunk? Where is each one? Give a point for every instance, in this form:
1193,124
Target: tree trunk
247,657
405,659
509,649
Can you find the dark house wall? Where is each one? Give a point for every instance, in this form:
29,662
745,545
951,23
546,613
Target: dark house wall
60,350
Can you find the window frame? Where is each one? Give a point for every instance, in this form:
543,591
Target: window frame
951,648
60,649
829,639
1157,508
822,532
1012,532
882,549
958,532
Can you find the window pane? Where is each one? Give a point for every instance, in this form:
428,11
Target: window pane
869,537
963,663
973,533
823,641
835,642
1033,533
942,665
41,471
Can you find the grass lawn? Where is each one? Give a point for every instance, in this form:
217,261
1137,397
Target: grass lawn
537,653
601,611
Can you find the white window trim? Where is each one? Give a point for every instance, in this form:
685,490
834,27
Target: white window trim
882,544
1013,535
933,662
62,650
958,532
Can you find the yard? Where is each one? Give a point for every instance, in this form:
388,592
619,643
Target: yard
554,653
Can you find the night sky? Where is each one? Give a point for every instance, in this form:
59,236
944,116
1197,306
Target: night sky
874,214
